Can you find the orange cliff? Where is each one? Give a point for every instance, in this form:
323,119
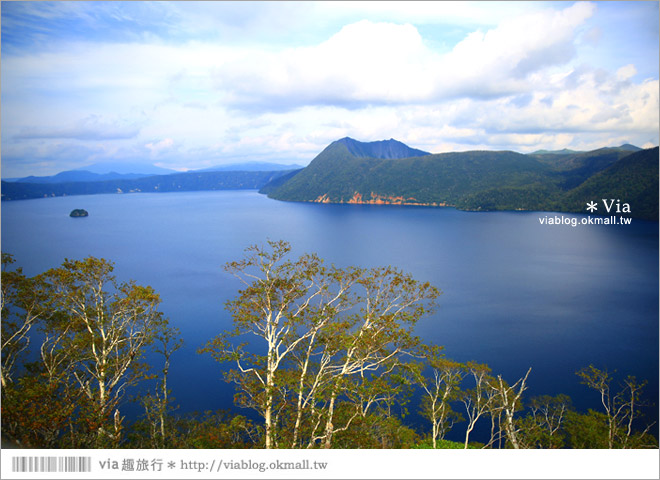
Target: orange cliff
376,199
322,199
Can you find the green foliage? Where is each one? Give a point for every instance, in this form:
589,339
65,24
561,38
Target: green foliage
211,429
377,430
591,430
444,444
543,427
587,430
35,412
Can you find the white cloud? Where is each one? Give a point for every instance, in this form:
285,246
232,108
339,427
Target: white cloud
165,144
500,60
363,63
387,63
626,72
424,12
518,80
92,128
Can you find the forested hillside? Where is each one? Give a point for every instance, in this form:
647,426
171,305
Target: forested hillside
479,180
632,179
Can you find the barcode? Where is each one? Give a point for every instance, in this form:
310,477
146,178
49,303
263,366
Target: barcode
51,464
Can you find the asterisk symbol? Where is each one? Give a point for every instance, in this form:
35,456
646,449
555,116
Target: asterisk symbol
591,206
171,465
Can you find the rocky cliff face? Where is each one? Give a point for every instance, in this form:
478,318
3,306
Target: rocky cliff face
376,199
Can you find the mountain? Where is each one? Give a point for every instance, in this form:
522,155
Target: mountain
575,168
632,179
627,147
477,180
564,151
127,168
381,149
631,148
279,181
178,182
98,172
338,176
251,167
78,176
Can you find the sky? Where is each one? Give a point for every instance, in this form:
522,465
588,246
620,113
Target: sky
189,85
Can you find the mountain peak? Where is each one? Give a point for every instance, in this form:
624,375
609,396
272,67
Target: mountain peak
629,147
387,149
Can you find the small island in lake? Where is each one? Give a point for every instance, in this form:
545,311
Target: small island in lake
79,212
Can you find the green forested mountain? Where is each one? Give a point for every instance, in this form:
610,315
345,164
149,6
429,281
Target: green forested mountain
576,167
633,179
477,180
336,175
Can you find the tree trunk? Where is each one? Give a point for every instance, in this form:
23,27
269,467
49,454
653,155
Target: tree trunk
327,442
434,420
511,429
268,414
467,434
163,407
301,386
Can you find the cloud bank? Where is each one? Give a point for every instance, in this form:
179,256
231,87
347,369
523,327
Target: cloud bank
279,81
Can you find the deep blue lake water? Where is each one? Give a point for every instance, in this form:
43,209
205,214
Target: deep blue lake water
516,293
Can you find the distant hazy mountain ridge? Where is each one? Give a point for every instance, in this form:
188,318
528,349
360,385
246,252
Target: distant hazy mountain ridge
178,182
80,176
99,172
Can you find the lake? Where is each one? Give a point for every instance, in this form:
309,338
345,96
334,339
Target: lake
516,293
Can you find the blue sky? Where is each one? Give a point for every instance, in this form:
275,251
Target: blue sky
188,85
